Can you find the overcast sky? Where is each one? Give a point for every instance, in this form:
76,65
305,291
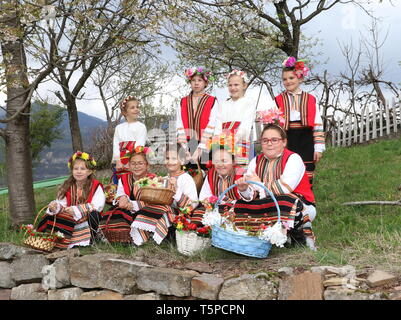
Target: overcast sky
341,24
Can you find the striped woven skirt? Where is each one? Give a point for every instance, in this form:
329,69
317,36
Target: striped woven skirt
250,215
76,233
151,219
300,140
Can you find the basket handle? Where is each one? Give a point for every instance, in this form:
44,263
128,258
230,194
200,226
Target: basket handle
108,219
258,184
38,215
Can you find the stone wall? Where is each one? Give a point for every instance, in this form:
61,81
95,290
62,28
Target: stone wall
27,274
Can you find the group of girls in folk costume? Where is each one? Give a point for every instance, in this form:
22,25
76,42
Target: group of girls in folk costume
283,172
303,121
142,219
80,201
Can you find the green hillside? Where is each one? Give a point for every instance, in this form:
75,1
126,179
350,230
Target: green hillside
363,236
52,162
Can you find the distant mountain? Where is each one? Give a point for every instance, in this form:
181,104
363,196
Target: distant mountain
53,161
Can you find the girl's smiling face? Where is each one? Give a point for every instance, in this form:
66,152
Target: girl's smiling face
273,143
173,162
223,162
79,170
236,87
138,165
132,110
291,82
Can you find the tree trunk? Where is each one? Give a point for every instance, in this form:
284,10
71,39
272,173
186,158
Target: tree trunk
376,86
17,141
76,137
69,101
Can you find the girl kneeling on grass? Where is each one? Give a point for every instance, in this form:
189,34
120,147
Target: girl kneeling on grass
220,176
125,204
283,173
79,201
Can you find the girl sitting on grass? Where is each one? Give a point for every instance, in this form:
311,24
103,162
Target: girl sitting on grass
79,201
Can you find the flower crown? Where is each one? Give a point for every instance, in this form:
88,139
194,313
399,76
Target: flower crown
206,74
240,73
223,141
124,102
130,149
90,162
300,69
272,116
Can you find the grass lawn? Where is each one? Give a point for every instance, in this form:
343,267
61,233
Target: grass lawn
363,236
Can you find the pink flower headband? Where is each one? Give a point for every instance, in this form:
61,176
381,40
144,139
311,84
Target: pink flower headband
300,69
236,72
205,74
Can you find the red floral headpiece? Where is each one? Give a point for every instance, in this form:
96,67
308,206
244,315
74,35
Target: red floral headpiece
300,69
127,149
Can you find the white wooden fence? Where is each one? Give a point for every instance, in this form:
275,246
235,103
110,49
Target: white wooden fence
373,123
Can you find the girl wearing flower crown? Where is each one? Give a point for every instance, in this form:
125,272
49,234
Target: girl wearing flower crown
303,122
79,201
220,176
283,173
121,215
131,131
237,115
196,116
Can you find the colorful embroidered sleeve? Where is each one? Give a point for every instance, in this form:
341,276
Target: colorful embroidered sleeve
97,204
318,133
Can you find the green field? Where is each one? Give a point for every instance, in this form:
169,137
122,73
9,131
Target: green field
363,236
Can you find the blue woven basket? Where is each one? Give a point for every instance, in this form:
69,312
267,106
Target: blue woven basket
242,244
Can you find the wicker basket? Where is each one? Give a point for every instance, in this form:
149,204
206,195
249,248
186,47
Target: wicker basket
242,244
116,236
188,243
198,178
161,196
37,242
